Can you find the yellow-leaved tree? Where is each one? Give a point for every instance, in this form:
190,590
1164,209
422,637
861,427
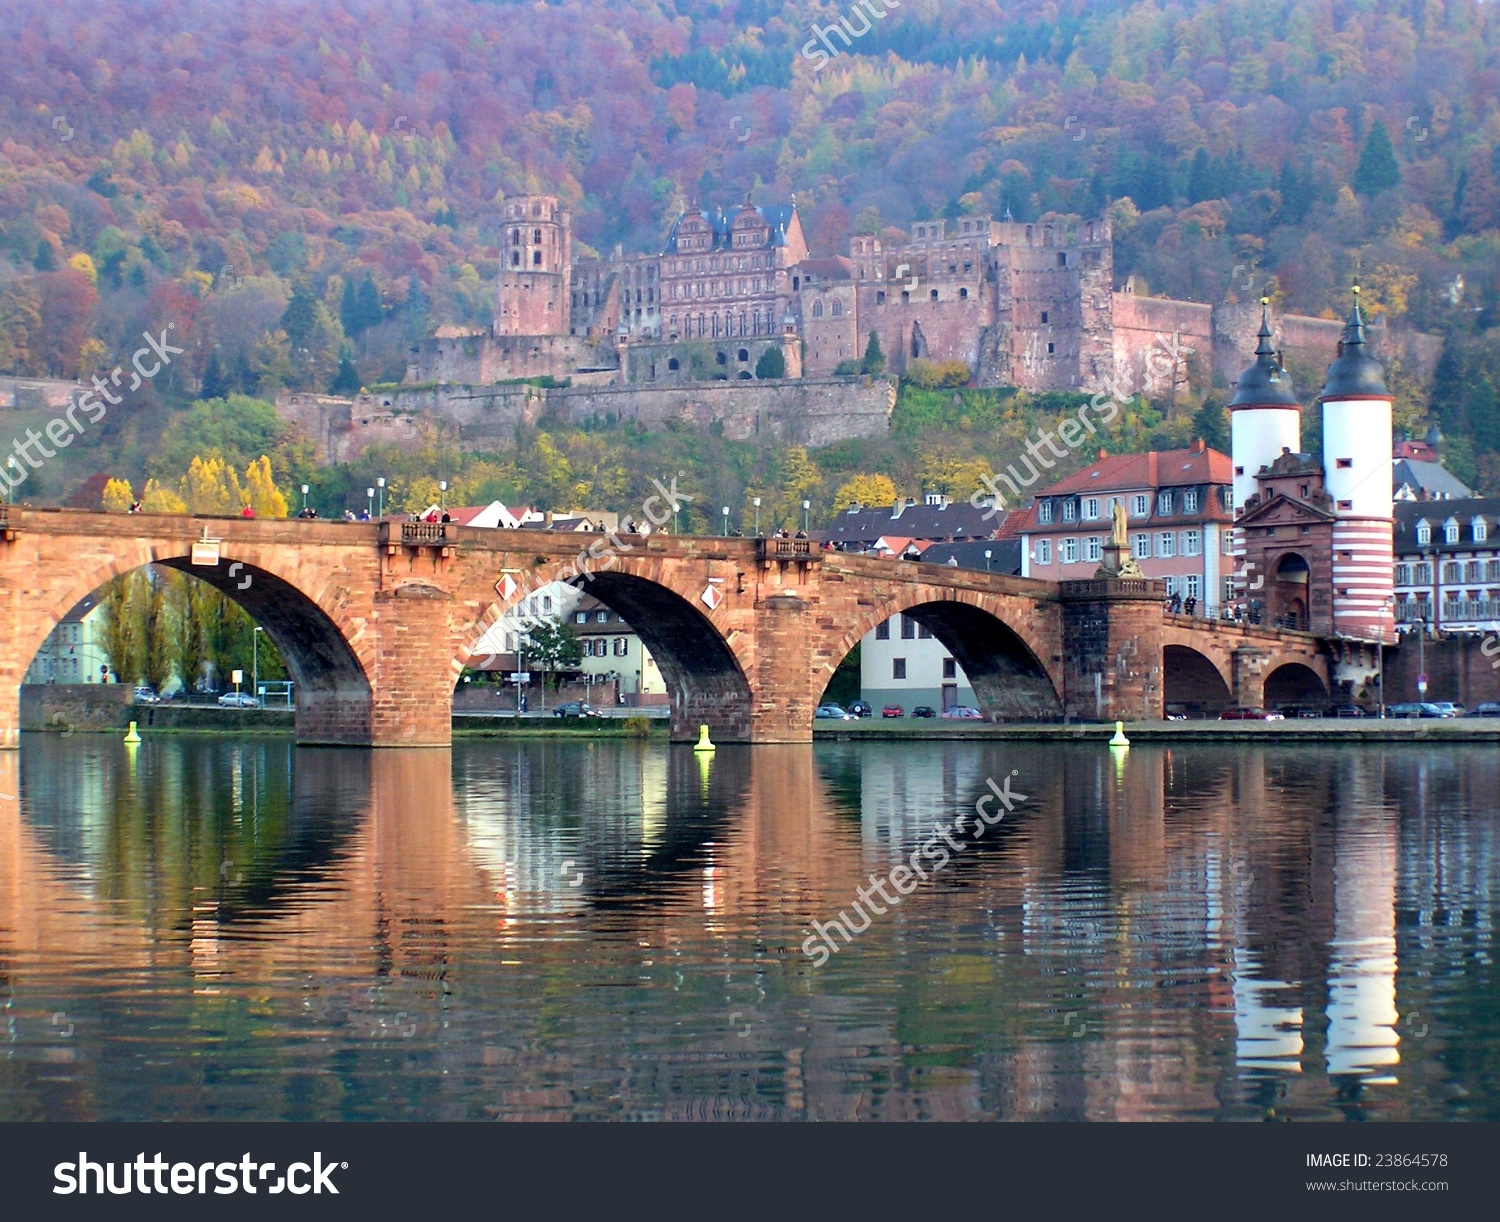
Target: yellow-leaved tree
118,497
212,486
867,490
261,491
159,499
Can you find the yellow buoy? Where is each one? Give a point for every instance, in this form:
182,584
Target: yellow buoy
1119,740
703,743
132,736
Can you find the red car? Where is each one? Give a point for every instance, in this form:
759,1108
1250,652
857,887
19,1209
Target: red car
893,710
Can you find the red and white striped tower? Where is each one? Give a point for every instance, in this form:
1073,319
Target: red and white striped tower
1357,476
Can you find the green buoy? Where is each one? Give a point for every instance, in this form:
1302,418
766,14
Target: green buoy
703,743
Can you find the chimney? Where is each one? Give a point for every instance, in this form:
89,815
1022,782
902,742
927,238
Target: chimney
1199,446
1103,453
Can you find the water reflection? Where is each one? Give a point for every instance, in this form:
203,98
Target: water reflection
209,928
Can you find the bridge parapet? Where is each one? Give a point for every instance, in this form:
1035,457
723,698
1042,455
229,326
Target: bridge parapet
786,549
1113,587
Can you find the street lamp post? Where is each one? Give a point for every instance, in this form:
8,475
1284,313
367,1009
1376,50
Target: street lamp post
725,512
380,483
370,492
987,554
443,495
806,505
755,500
255,658
304,500
1421,626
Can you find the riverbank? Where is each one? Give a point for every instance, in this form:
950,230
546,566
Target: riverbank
1447,729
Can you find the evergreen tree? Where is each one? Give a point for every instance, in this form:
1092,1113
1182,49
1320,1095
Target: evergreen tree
1200,178
874,362
772,364
1211,423
347,381
216,383
45,260
300,316
370,313
349,308
1377,170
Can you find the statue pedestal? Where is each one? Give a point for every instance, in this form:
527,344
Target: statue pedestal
1118,562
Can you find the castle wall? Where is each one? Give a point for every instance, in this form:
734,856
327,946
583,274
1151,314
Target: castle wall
481,359
798,411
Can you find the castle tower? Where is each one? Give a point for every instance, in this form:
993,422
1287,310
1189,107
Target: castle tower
1357,477
536,259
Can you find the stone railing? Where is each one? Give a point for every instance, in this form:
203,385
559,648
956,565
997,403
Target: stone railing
1116,587
785,549
424,534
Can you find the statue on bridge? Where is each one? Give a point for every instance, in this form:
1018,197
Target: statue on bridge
1117,561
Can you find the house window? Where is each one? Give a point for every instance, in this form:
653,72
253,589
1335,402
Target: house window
883,631
950,668
908,628
1481,531
1227,592
1194,586
1422,574
601,617
1190,501
1344,464
1450,531
924,633
1403,574
1192,543
1141,547
1070,510
622,646
1475,570
1166,543
1226,543
1093,547
1453,571
1164,502
1044,512
898,668
1091,508
581,618
1138,505
1424,534
1492,570
1070,551
1043,552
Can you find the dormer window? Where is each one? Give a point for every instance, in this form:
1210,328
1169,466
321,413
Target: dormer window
1481,531
1044,512
1070,510
1091,508
1450,531
1190,501
1164,502
1424,534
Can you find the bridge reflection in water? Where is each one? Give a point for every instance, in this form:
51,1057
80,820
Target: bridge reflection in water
203,928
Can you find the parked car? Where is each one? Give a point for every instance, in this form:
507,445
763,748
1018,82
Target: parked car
1347,710
1449,709
1250,714
861,709
146,695
1303,711
832,712
893,710
576,708
963,712
1416,709
924,710
1488,709
239,700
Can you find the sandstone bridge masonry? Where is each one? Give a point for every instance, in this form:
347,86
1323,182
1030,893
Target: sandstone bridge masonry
377,620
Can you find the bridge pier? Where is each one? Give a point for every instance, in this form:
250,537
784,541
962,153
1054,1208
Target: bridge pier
1113,665
1248,670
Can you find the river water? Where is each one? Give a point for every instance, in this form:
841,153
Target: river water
199,928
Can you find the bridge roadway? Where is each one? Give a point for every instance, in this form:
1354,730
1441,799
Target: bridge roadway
377,620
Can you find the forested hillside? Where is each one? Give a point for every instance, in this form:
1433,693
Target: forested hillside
303,187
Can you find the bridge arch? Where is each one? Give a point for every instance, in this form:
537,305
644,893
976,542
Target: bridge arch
705,677
1004,666
1290,681
330,670
1194,682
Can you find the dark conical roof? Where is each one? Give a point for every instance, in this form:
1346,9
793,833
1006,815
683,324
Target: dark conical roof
1265,383
1354,373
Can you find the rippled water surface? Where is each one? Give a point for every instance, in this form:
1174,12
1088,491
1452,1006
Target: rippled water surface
548,929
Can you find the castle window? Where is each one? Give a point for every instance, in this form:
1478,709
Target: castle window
1044,318
879,296
674,364
905,296
963,294
536,258
838,308
1051,348
933,294
515,258
1450,531
817,309
536,236
796,283
720,359
1062,258
744,354
515,237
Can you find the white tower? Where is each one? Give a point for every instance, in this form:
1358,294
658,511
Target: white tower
1357,477
1264,419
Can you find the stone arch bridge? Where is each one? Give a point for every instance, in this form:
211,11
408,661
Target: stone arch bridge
377,620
